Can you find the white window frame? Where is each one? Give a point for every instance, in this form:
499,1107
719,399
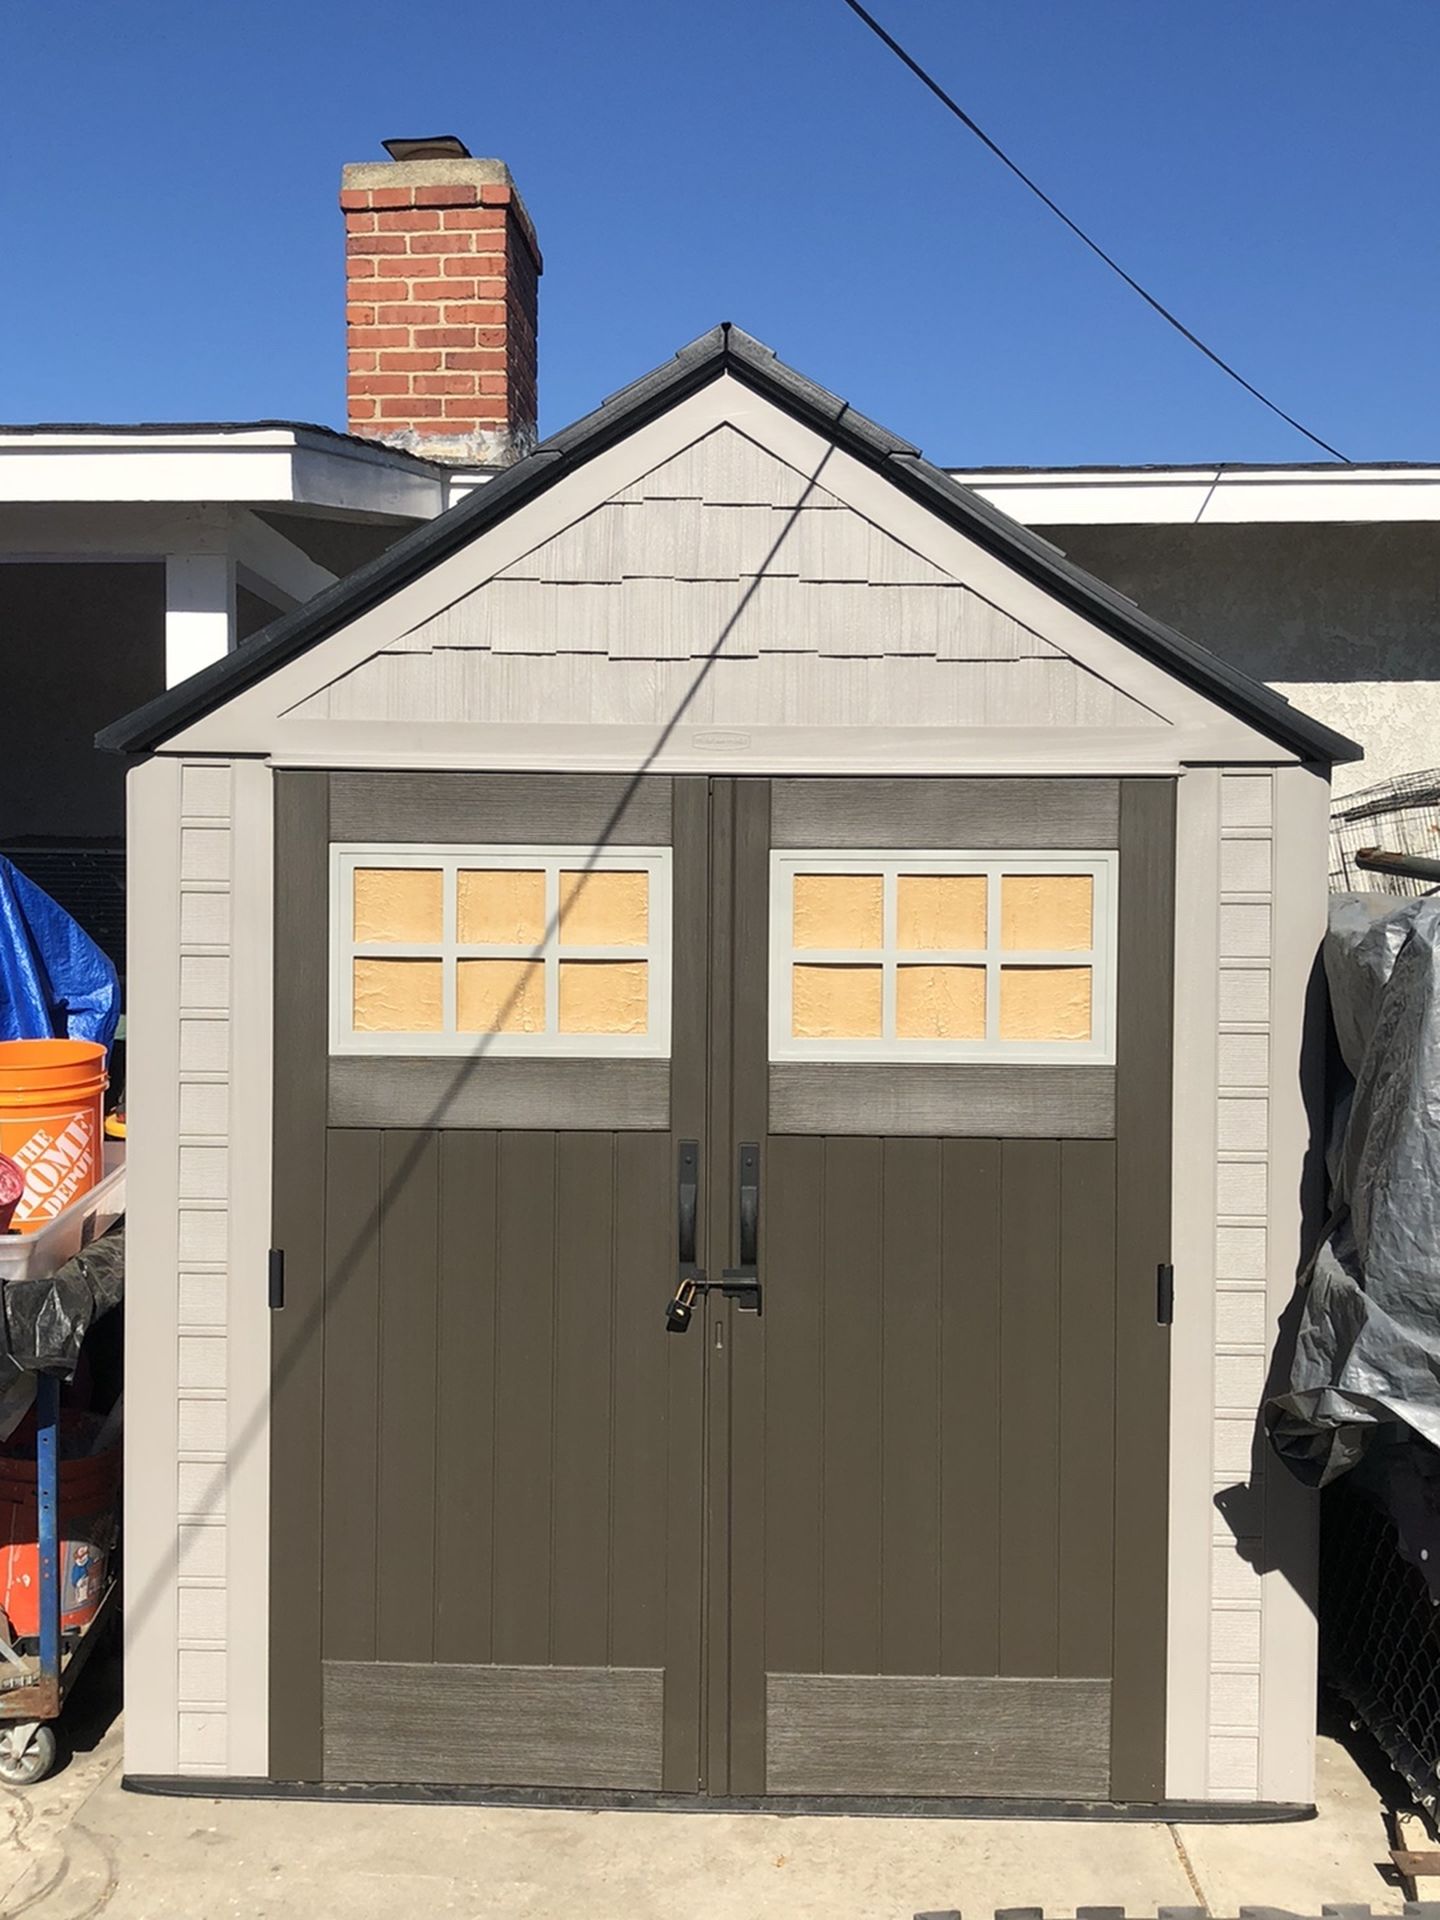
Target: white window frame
653,1044
1102,867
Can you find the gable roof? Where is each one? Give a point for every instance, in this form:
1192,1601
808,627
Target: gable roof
726,350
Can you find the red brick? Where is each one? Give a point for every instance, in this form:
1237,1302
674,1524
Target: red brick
360,222
412,220
445,196
411,407
444,289
361,410
472,407
406,316
494,383
359,266
441,242
486,313
445,383
379,336
360,316
381,383
355,199
410,362
359,362
462,266
495,195
445,337
392,197
483,362
391,266
478,219
376,243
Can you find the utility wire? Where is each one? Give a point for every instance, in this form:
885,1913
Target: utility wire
1000,154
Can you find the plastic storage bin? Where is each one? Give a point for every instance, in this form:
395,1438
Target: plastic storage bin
35,1256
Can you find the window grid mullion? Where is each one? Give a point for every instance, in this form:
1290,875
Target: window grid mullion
551,962
992,952
449,964
889,913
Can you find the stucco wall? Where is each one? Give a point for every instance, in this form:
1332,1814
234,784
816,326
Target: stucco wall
1343,620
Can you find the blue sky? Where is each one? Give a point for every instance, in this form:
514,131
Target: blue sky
173,249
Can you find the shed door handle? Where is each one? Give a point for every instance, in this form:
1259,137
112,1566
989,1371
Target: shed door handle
742,1283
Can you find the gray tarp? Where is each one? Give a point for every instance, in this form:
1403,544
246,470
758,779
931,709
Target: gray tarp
1366,1369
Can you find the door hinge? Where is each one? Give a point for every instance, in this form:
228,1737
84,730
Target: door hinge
1165,1293
277,1277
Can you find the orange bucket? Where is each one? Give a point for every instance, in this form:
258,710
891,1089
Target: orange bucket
52,1095
89,1492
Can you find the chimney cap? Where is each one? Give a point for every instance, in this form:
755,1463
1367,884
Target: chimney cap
437,146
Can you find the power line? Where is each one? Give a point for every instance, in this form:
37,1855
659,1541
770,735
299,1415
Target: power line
1000,154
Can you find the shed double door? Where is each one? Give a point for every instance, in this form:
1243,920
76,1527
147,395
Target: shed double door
900,1532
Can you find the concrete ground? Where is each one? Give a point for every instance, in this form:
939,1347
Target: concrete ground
77,1846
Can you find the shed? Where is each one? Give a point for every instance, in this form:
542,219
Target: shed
722,859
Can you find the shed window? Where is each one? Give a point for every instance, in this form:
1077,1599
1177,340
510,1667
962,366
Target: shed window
500,950
943,956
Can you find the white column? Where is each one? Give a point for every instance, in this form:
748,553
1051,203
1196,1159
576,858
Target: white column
199,612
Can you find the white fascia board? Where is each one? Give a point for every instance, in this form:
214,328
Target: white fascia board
1217,496
256,466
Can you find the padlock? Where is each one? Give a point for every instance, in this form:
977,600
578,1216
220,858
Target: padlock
681,1309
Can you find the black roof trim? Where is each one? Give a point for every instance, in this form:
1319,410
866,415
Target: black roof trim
725,349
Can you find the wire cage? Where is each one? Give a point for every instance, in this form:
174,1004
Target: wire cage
1402,816
1380,1637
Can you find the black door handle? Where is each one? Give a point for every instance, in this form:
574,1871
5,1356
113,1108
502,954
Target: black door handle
690,1281
742,1283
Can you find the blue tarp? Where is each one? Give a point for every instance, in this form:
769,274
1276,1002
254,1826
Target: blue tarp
55,983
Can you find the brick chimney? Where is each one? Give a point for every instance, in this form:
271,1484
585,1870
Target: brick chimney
442,282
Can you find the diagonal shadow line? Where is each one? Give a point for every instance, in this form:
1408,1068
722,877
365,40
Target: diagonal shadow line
337,1278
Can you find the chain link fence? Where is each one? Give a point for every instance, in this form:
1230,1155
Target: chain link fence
1380,1638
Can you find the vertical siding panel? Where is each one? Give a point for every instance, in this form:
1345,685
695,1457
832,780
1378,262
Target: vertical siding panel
352,1387
302,802
1145,964
746,1333
1087,1406
580,1547
1029,1404
852,1334
409,1293
523,1391
465,1462
969,1336
794,1376
910,1446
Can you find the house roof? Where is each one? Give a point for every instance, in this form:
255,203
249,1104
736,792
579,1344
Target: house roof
245,462
725,350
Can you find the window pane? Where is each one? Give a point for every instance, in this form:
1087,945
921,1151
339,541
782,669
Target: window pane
1046,912
398,903
1045,1003
845,910
604,909
397,996
941,910
500,996
500,907
604,996
836,1003
940,1003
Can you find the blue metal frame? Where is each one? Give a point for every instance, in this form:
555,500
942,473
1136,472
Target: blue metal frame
47,1488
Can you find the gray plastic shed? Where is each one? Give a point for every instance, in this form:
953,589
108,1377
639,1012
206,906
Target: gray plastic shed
681,1021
